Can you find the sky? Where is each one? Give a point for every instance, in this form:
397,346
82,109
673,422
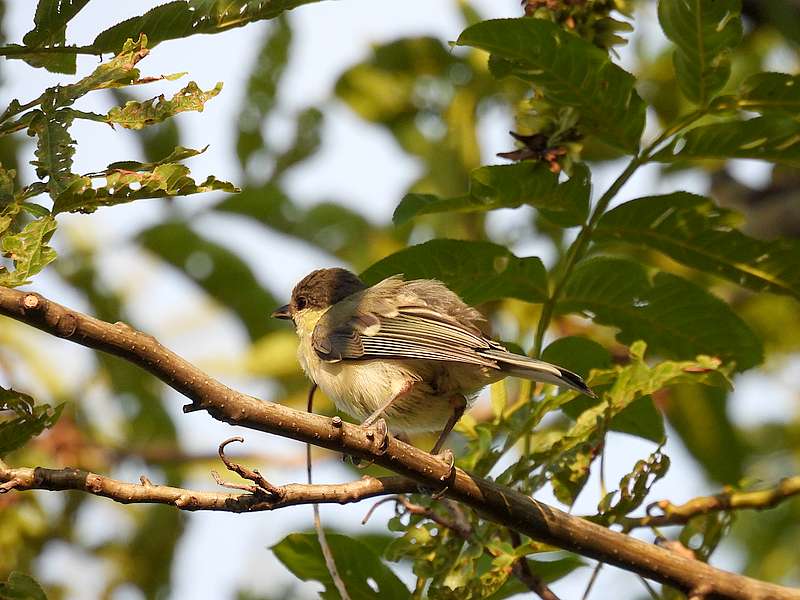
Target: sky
359,164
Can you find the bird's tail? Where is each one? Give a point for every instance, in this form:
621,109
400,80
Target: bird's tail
538,370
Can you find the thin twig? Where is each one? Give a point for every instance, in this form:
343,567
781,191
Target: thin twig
592,579
522,570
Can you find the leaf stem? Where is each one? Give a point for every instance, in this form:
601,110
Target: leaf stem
578,248
17,50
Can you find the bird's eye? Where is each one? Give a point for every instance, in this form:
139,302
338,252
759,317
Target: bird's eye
300,302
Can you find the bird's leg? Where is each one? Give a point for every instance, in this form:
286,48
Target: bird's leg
459,404
376,420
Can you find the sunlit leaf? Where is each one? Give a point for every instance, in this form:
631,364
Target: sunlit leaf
568,71
633,488
135,115
217,270
674,316
705,32
180,18
28,251
22,419
774,138
359,567
50,24
477,271
178,153
692,230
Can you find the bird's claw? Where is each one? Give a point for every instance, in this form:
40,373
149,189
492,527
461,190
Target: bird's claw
449,460
378,434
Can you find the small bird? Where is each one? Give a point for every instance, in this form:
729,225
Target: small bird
410,351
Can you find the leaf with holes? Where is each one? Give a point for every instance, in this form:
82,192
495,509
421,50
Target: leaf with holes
218,271
633,488
476,271
674,316
24,421
49,31
567,71
775,138
705,32
121,186
180,19
28,250
769,93
695,232
362,571
54,149
136,115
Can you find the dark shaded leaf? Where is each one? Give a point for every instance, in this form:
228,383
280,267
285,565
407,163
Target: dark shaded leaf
477,271
54,149
568,71
774,138
675,317
579,355
218,271
357,563
181,19
262,86
642,419
633,488
694,231
50,25
28,250
770,92
24,421
19,586
135,115
705,32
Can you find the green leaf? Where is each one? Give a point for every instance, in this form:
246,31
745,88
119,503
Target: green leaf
54,149
121,186
694,231
179,19
705,32
675,317
136,115
510,186
179,153
642,419
50,25
306,141
546,570
262,87
633,488
218,271
27,420
579,355
28,250
774,138
770,92
359,566
476,271
567,71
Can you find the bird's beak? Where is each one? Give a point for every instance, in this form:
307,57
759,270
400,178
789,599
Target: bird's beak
282,313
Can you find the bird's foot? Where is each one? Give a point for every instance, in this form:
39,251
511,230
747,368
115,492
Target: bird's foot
449,459
378,435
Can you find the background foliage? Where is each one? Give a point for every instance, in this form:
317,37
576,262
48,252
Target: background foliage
665,302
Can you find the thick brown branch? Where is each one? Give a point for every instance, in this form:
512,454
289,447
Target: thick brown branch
494,502
145,492
671,514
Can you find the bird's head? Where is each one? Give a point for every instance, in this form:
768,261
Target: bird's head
318,291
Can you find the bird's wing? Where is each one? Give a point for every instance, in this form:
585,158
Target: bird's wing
418,332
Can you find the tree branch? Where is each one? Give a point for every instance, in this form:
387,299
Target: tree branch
671,514
497,503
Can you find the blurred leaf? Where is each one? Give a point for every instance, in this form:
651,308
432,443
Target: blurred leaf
306,141
179,19
122,186
699,415
262,87
19,586
675,317
359,567
633,488
775,138
28,250
218,271
50,25
770,92
136,115
567,71
694,231
705,32
26,421
476,271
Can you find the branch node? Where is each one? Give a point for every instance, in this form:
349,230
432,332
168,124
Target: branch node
337,421
191,407
32,302
9,485
145,481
